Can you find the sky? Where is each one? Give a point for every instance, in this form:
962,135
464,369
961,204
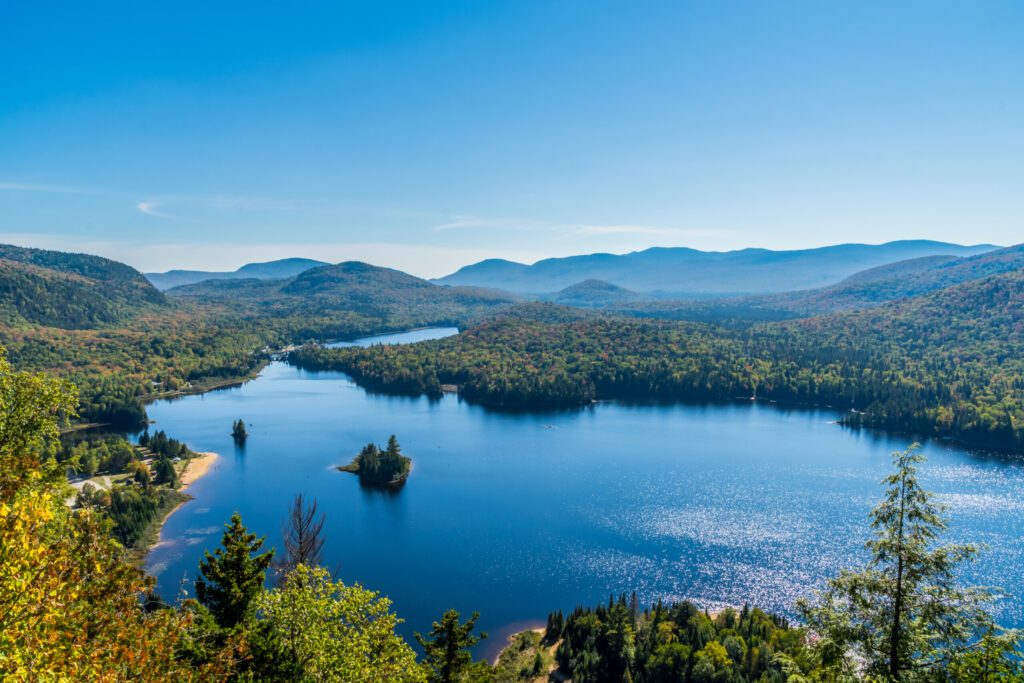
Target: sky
429,135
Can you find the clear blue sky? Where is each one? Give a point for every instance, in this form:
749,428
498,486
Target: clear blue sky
425,135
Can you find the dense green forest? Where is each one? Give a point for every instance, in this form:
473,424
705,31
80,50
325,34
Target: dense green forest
674,642
73,291
948,363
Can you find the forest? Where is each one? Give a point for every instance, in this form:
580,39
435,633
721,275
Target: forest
946,364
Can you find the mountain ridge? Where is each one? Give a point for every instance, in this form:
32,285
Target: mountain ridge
687,270
263,270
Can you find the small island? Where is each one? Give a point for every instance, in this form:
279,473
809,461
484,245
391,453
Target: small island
238,432
383,467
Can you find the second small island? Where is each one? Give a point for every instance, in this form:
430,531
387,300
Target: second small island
384,467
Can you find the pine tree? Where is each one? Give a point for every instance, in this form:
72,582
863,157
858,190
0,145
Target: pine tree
233,576
446,649
165,472
904,613
238,432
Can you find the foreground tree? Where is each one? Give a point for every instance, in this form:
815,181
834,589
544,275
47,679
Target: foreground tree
332,632
902,617
70,606
303,535
232,577
446,649
994,659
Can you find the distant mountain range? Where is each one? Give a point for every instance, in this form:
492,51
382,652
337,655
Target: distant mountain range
271,270
679,270
891,282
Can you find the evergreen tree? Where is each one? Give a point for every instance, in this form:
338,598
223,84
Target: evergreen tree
393,448
446,649
238,432
233,576
166,473
904,614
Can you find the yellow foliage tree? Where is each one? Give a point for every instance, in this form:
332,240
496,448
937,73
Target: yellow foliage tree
70,606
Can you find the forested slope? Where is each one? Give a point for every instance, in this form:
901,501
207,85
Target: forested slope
948,363
70,291
345,294
104,326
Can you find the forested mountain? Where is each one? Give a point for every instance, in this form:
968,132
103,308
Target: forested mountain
348,292
69,291
270,270
947,363
891,282
682,270
592,294
103,325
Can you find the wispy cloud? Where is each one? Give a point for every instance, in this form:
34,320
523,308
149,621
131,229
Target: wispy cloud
470,222
150,209
41,187
598,230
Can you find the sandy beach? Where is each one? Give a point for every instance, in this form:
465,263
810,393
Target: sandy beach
196,468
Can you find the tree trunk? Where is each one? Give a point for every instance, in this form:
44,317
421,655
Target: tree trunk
897,608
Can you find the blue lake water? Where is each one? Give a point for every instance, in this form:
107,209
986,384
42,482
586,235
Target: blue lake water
517,514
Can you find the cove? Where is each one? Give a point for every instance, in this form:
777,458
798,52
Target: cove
517,514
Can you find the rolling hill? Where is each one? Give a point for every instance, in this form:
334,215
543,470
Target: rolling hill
592,294
355,289
70,291
689,271
270,270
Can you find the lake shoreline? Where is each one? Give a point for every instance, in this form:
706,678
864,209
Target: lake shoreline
195,469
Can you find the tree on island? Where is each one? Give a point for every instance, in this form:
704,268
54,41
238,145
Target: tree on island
238,432
904,614
232,577
446,648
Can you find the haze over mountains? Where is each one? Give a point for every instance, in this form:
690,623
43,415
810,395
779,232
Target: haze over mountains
680,270
270,270
893,281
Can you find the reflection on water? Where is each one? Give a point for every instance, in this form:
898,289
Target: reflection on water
517,514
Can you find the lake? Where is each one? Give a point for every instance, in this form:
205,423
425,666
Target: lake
517,514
